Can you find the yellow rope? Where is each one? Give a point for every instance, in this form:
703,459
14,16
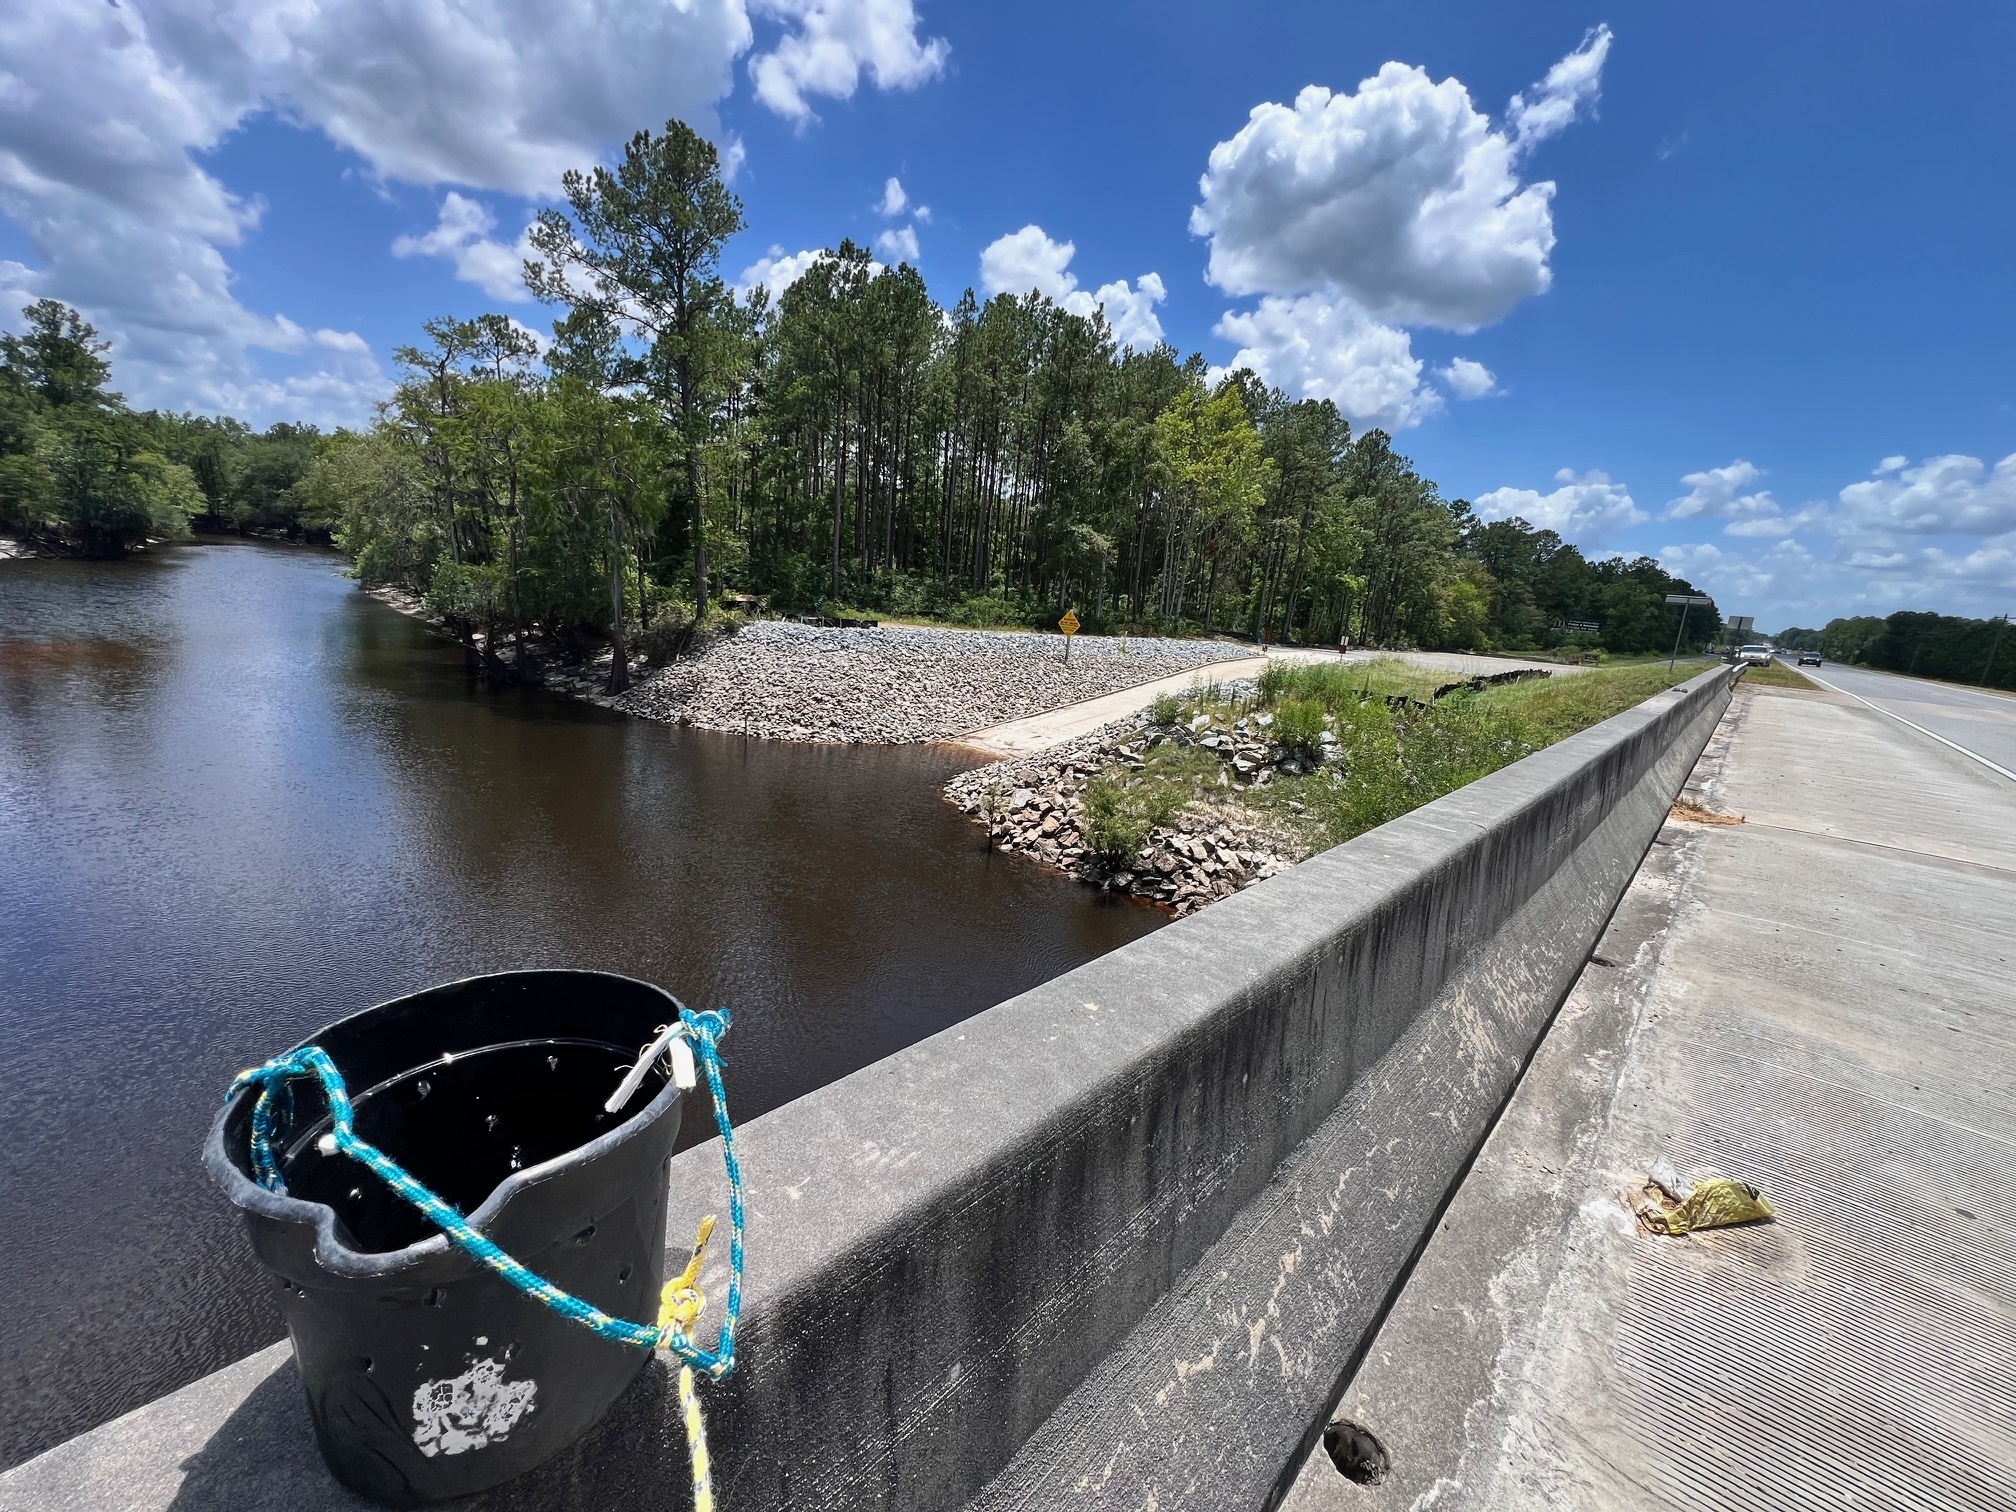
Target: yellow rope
681,1303
696,1442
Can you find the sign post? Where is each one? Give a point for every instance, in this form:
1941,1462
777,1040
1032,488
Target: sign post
1686,601
1069,625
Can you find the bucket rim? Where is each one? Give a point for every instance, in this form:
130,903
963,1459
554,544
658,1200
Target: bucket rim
338,1258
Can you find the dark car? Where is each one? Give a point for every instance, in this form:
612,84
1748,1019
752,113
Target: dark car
1809,658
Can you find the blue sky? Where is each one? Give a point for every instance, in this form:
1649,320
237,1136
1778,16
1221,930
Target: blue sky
1760,325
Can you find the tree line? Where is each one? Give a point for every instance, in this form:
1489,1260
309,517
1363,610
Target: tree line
80,470
851,445
1947,646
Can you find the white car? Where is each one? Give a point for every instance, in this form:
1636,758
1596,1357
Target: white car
1755,656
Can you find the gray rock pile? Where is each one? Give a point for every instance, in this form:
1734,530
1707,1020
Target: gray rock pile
1034,806
893,685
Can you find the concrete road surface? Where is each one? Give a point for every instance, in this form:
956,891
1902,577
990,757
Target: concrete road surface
1816,1001
1980,723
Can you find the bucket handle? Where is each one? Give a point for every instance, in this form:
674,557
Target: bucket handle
702,1031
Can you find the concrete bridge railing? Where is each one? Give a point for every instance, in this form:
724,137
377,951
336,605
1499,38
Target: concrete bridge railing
1116,1242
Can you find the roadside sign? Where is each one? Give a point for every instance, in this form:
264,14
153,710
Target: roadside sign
1686,601
1069,625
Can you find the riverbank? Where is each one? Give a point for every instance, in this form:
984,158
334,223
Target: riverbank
895,685
892,685
1037,806
1200,796
586,679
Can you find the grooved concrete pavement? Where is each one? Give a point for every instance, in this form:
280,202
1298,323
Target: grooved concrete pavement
1817,1001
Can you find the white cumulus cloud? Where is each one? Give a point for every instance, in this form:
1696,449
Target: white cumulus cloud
462,236
1950,495
896,201
1586,509
1869,552
835,43
1570,88
777,270
1354,215
1468,379
1740,583
106,108
898,244
1326,347
1030,259
1723,493
1401,195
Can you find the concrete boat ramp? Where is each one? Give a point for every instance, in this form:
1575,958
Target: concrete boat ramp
1817,1001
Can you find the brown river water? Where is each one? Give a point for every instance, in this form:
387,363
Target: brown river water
239,799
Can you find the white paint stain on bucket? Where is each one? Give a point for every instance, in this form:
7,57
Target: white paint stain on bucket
469,1411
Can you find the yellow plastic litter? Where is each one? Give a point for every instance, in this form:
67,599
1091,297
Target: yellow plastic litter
1715,1203
681,1303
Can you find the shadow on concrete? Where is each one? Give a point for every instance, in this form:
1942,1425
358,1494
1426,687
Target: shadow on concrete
264,1455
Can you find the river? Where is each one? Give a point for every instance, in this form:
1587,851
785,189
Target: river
239,799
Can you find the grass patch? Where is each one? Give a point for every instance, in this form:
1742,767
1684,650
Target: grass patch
1335,685
1778,675
1384,758
1123,807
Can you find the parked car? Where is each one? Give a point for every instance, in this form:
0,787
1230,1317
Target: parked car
1754,656
1809,658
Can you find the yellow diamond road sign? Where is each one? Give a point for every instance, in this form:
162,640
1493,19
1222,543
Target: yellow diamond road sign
1068,624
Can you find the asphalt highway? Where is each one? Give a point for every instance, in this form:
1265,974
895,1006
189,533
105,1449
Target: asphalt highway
1979,723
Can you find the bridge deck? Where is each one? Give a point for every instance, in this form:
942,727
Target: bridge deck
1818,1001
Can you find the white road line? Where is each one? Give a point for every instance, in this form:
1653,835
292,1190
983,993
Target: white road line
2000,771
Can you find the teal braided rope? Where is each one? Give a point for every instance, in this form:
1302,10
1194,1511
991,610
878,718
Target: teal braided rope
272,1114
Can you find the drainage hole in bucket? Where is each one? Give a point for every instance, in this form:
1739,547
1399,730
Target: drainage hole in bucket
368,1365
438,1297
1359,1456
585,1235
490,1114
511,1349
623,1275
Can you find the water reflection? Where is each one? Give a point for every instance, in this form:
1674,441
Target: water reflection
239,799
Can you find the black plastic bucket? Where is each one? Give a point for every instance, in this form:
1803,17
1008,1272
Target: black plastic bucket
428,1376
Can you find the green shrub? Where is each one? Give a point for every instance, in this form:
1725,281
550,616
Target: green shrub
1298,725
1119,817
465,591
981,613
1165,710
389,559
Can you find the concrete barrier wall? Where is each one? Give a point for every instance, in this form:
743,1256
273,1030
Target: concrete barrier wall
1116,1242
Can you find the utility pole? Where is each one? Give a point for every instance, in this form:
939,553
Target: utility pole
1994,646
1686,601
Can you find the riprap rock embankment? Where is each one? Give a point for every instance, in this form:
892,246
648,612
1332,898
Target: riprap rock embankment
894,684
1035,806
